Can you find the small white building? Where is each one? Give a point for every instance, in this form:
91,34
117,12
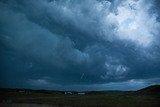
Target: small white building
68,93
81,93
21,91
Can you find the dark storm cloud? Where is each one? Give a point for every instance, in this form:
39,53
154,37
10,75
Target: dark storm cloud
75,43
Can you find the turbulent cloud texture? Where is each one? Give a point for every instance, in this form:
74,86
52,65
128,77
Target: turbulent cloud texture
77,44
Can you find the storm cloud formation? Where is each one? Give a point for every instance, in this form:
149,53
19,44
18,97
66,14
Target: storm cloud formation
79,44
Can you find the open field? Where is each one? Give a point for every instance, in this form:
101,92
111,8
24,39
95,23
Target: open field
30,98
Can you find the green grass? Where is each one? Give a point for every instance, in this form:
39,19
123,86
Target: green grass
89,100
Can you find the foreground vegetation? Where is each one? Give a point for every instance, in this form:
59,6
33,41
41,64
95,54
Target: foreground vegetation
90,99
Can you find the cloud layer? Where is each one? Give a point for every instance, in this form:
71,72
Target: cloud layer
78,43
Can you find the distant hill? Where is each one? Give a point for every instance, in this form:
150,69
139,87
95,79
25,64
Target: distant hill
154,89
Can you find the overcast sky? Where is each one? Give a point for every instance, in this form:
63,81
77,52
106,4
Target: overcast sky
79,44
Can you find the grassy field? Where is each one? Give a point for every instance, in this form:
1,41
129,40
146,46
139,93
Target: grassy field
92,99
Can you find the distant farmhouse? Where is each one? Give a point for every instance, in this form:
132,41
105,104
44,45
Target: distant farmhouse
79,93
68,93
24,91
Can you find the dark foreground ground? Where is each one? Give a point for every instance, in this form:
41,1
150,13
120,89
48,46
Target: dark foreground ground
42,98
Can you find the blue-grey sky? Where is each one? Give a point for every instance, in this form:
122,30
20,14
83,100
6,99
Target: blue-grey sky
79,44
